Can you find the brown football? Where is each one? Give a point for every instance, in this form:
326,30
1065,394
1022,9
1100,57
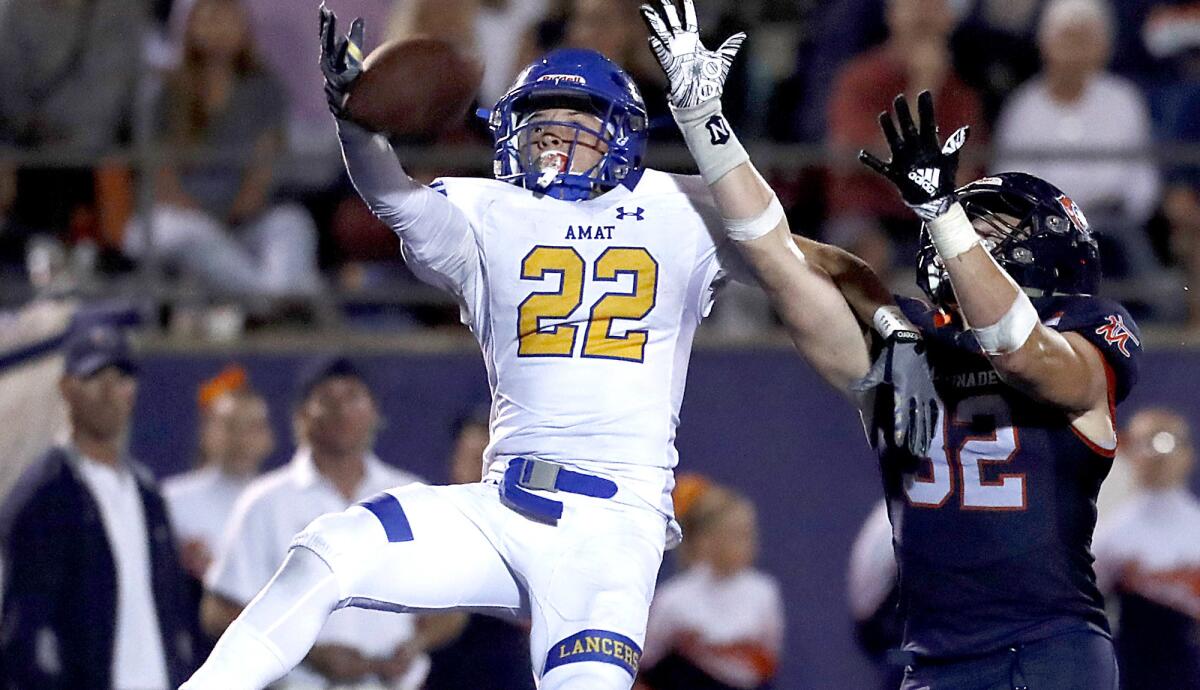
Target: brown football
414,87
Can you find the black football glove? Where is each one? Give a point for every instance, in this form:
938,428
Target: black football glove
341,59
902,364
922,169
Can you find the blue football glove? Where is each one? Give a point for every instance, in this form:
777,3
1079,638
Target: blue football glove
341,60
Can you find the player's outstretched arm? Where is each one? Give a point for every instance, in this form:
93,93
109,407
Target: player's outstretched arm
436,237
814,312
1062,369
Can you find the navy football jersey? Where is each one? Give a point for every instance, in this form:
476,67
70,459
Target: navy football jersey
993,530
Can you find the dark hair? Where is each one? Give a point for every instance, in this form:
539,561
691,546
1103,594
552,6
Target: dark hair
186,117
319,370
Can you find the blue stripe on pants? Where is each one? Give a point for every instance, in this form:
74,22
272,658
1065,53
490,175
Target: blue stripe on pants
387,508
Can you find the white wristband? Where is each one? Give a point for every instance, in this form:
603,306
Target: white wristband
888,319
744,229
711,140
952,232
1012,330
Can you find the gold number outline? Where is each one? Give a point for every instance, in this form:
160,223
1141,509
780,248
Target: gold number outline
642,335
531,339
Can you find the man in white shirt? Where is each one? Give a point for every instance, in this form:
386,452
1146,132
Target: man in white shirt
94,594
1075,106
336,418
237,438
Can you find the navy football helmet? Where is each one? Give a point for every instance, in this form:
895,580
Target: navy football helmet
1035,232
581,80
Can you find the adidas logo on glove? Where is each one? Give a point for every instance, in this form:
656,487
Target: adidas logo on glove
927,178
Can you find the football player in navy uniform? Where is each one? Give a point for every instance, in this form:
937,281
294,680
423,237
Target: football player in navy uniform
992,522
993,526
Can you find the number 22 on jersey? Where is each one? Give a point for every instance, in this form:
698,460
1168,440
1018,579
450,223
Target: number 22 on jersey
935,484
536,340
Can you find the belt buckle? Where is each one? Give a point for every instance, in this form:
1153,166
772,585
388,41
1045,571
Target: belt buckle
539,475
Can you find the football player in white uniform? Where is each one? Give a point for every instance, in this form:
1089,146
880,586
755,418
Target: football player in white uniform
583,275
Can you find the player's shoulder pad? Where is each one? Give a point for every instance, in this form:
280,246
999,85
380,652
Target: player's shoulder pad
1103,323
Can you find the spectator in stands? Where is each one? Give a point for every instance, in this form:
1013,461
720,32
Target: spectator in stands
995,48
336,417
1148,558
490,653
498,22
94,596
67,75
1173,36
615,29
916,56
1075,106
1181,207
284,39
217,218
842,30
873,591
719,623
235,439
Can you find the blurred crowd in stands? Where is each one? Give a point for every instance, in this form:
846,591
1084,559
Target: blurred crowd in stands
185,146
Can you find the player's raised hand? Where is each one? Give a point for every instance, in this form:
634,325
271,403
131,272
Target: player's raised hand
921,167
341,59
695,73
903,365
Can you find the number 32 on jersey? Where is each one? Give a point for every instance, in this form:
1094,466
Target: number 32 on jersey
536,340
965,465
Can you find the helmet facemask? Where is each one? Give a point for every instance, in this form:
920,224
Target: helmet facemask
521,161
578,80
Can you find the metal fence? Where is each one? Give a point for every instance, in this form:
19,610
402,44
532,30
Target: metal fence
149,286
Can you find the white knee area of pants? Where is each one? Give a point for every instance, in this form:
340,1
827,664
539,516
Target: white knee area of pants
275,630
345,542
586,675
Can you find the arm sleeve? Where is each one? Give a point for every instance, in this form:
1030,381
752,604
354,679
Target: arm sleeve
435,236
35,574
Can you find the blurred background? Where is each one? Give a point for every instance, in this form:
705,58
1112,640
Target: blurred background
173,163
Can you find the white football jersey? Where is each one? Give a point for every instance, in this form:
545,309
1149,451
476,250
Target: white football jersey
585,311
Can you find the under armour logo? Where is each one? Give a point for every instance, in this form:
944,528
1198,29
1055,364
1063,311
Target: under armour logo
1115,332
927,179
718,130
637,215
